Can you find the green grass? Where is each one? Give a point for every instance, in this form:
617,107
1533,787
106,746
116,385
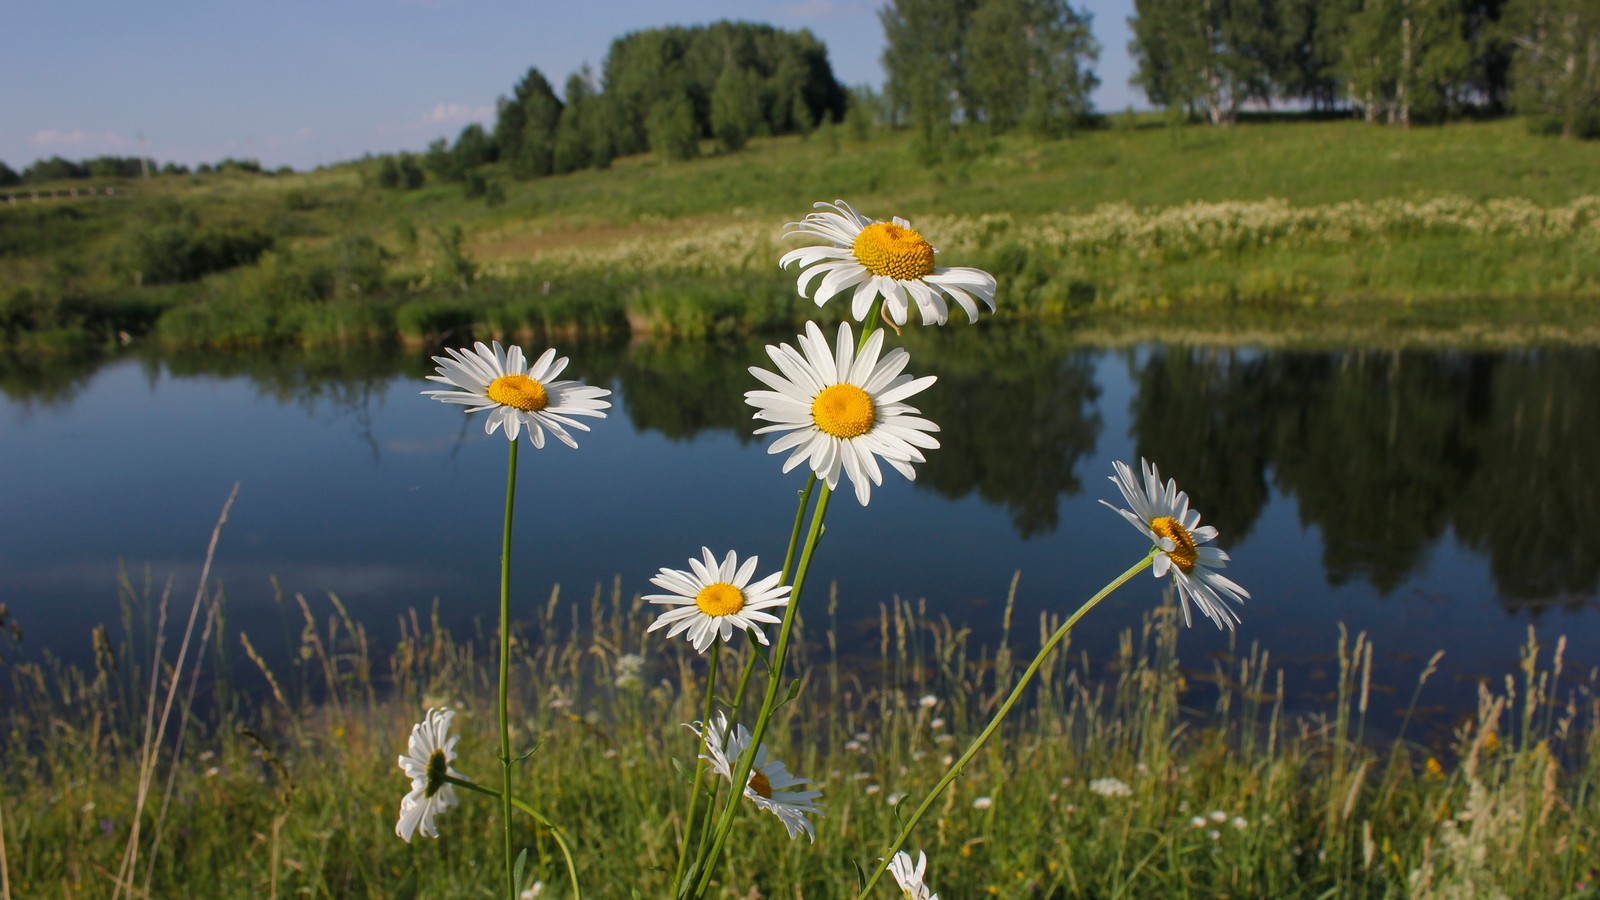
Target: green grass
690,248
296,793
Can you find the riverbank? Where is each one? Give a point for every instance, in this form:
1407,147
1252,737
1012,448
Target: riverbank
1111,225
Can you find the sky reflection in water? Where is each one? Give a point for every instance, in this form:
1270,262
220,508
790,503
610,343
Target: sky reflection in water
1433,499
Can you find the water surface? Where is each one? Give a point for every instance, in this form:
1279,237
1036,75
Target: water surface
1435,499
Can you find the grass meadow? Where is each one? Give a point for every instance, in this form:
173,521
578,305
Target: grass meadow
1148,774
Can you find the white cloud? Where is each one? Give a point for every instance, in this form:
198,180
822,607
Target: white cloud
454,113
50,137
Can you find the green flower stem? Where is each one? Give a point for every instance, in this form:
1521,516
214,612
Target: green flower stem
741,773
505,673
999,715
535,815
699,766
750,661
783,578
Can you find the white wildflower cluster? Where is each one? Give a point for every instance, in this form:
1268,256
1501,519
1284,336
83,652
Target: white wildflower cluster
1110,787
737,246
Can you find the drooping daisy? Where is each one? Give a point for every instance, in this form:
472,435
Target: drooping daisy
713,600
769,778
516,394
909,877
843,410
427,761
887,259
1162,513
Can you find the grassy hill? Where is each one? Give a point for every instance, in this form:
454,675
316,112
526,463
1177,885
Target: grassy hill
1114,223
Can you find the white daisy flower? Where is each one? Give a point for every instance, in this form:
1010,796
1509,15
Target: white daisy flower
769,778
427,761
1162,513
909,877
516,394
843,410
713,601
887,259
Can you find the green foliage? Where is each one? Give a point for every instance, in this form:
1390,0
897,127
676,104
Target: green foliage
922,61
788,73
673,135
1027,63
182,251
401,172
581,138
431,321
473,148
452,267
1557,66
525,132
736,109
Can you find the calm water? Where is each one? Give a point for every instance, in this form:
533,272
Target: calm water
1436,500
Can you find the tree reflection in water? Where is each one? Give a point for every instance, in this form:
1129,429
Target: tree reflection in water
1385,453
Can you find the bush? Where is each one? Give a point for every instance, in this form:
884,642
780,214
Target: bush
179,251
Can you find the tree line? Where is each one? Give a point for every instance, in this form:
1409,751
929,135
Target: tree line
58,168
1393,61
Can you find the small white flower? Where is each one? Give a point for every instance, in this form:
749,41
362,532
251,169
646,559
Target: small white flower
887,259
928,701
533,893
873,789
895,798
427,762
1241,823
1218,816
937,723
1161,512
714,600
629,667
1110,787
843,411
1197,822
909,877
516,394
982,802
769,779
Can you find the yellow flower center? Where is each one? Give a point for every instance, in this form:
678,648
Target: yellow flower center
518,391
438,767
760,784
720,599
1183,554
844,411
887,249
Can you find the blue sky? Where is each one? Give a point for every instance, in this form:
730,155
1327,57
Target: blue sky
302,83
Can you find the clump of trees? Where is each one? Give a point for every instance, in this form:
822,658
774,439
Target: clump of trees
662,91
1004,64
1393,61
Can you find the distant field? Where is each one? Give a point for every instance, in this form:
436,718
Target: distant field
1111,223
